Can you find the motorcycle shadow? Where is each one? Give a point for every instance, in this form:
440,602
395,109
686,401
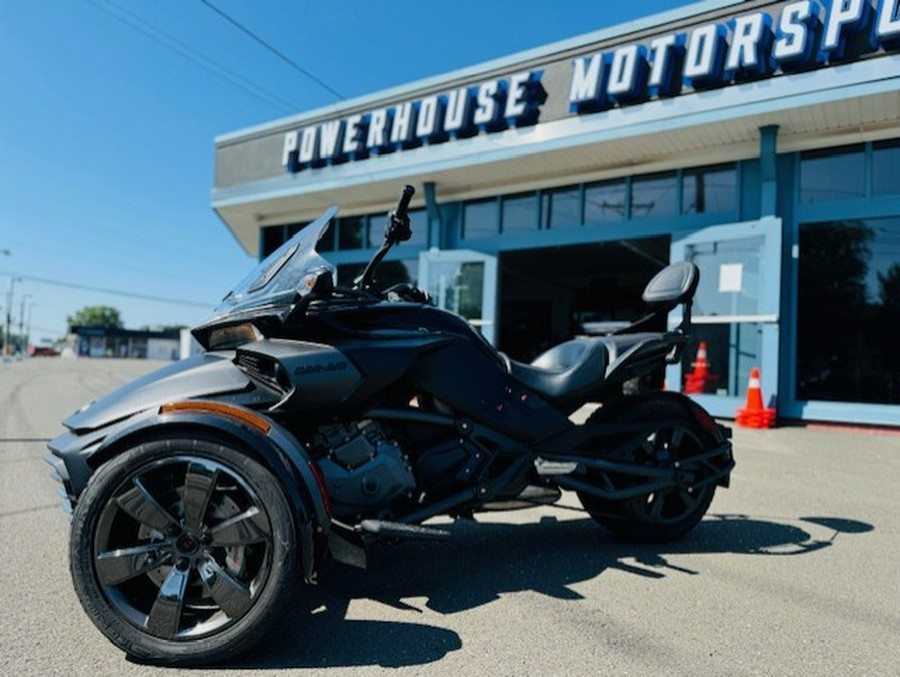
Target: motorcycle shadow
483,561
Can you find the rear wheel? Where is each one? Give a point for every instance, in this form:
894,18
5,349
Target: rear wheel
662,515
183,551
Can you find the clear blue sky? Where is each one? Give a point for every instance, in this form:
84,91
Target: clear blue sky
106,135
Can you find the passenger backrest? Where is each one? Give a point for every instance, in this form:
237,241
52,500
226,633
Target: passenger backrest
672,285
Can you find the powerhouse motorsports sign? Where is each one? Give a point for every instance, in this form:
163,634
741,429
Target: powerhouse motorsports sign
804,35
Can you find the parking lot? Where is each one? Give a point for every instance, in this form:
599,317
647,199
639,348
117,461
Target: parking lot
793,572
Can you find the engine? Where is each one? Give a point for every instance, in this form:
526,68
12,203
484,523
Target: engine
364,471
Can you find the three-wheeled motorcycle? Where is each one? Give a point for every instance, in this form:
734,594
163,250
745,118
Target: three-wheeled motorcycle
322,419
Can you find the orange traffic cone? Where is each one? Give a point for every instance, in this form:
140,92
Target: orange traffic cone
755,415
695,382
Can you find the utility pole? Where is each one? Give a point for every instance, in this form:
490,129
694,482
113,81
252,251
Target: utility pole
25,297
9,304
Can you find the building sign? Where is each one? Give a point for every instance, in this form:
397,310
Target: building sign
488,107
803,35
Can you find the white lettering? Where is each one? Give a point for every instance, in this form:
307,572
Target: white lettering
888,26
792,31
842,14
427,120
660,48
702,51
307,145
329,135
352,135
487,103
403,122
457,110
290,146
516,101
624,71
378,121
744,51
585,79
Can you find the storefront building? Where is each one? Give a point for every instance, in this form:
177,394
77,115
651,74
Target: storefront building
760,140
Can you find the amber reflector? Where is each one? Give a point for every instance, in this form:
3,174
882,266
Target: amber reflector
253,420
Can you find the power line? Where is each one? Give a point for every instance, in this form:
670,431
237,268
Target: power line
182,49
116,292
276,52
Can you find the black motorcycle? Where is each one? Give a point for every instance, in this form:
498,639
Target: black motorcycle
322,419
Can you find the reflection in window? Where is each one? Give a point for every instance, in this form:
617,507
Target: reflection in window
709,190
654,196
561,207
604,202
848,322
520,213
351,232
732,350
827,175
481,219
886,168
731,276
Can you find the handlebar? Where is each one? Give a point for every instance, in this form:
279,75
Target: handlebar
397,230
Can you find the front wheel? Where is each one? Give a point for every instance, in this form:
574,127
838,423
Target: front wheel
668,514
183,551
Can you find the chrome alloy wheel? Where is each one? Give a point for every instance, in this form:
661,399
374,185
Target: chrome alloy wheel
182,548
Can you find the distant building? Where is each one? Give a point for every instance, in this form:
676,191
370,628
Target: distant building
129,343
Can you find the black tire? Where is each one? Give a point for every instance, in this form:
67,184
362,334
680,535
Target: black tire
183,551
665,515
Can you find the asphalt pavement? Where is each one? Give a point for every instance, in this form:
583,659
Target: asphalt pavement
794,571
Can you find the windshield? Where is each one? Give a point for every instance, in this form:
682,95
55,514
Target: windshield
282,274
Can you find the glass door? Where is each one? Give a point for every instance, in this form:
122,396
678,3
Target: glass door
735,314
463,282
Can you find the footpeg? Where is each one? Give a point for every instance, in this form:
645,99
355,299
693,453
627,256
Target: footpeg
401,530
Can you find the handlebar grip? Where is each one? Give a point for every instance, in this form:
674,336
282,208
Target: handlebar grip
408,192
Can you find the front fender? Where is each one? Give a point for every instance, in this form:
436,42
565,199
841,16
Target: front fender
270,443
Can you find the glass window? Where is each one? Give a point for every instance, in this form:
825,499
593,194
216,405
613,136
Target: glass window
654,196
388,274
848,321
561,207
520,213
604,202
351,232
886,167
272,239
731,278
709,190
481,219
418,223
827,175
732,350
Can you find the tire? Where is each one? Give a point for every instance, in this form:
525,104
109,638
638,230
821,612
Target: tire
664,515
183,551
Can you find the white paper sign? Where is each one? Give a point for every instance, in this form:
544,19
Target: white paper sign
731,277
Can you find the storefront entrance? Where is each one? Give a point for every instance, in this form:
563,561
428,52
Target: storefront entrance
549,295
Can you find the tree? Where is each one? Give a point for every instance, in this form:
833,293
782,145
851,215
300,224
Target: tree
96,316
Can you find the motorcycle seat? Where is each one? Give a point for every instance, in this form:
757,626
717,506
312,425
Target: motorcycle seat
565,371
571,370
